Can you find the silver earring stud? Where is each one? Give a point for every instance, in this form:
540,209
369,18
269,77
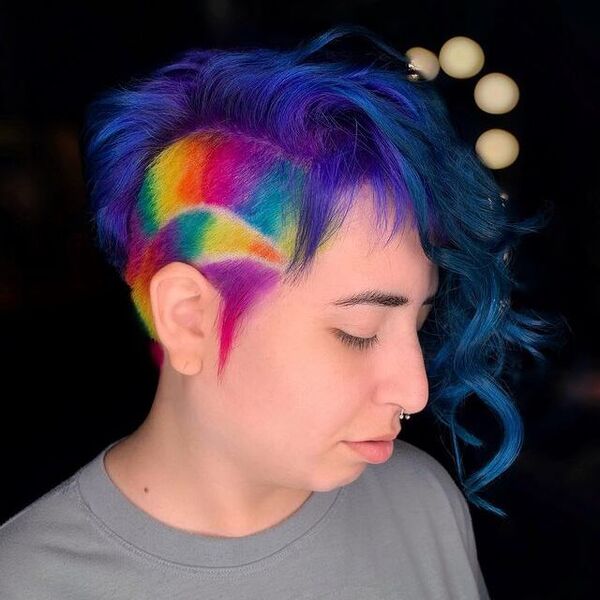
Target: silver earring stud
403,416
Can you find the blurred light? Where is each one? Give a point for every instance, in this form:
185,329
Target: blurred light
461,57
424,61
497,148
496,93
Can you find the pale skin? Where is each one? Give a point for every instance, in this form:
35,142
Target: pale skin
235,457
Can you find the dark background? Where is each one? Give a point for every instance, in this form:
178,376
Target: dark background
76,369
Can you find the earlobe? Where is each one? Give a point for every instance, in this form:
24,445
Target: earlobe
192,367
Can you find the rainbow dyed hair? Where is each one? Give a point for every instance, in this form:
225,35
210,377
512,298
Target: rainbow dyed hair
243,163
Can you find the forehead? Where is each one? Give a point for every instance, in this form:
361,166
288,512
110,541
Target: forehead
359,255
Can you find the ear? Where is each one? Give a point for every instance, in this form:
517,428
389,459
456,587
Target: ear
184,308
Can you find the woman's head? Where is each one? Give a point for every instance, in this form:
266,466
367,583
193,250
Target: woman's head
310,368
246,164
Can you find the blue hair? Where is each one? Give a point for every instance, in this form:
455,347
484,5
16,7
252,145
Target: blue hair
334,121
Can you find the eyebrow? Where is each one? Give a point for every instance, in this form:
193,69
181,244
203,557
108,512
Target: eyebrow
380,298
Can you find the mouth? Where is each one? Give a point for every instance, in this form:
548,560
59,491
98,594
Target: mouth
374,451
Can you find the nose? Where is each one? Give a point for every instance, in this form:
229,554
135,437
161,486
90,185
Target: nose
405,382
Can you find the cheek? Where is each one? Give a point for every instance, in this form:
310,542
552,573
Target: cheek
321,401
295,382
328,394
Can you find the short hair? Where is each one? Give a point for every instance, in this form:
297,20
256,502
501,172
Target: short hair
244,162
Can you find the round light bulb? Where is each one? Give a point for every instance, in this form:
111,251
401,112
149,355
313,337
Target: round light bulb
461,57
497,148
496,93
425,61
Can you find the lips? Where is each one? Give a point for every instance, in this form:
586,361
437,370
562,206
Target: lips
374,452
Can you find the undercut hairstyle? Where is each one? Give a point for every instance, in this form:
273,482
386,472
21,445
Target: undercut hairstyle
244,162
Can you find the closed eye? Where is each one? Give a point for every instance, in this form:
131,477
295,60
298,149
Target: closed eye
363,343
356,342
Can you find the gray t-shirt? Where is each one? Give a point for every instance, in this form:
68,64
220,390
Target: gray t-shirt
401,531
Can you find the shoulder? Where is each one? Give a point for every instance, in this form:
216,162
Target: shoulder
416,471
30,540
42,510
436,497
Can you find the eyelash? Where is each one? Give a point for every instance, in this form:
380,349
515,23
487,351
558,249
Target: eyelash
356,342
362,343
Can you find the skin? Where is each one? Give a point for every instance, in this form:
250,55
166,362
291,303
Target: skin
232,458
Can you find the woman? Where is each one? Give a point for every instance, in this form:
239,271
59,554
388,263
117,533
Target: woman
287,221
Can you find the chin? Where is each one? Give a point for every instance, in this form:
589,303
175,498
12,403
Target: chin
351,475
